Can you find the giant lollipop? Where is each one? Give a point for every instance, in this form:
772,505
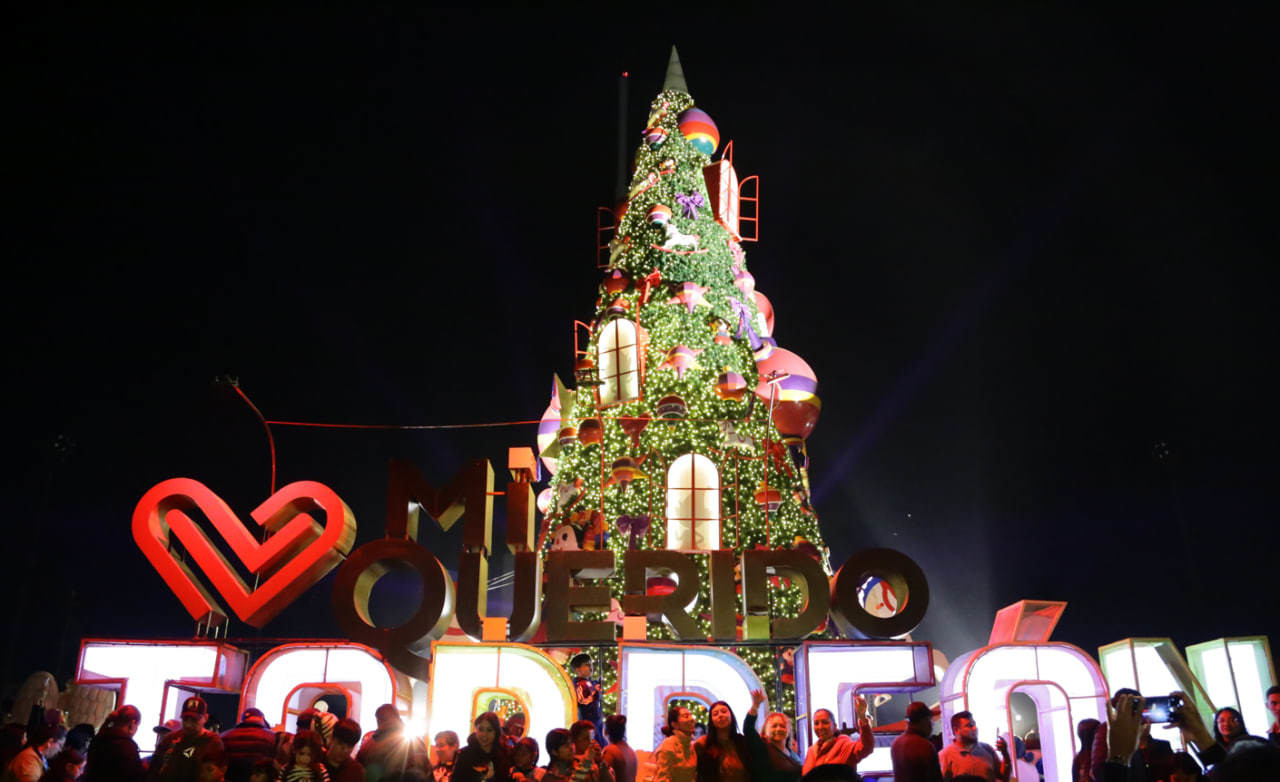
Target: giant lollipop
791,386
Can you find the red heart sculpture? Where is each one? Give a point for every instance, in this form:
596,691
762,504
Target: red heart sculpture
297,554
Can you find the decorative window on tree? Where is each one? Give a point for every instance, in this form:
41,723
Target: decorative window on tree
619,363
693,503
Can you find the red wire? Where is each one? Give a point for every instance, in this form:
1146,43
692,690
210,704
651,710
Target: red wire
271,440
487,425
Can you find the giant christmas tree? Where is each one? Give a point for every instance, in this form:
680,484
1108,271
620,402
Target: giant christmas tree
685,430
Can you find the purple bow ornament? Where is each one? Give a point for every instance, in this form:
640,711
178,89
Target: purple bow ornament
635,527
744,323
689,203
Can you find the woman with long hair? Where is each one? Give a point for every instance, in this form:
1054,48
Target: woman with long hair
486,756
722,750
675,758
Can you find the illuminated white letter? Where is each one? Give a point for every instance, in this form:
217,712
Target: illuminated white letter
653,675
156,677
291,678
830,674
1063,681
466,677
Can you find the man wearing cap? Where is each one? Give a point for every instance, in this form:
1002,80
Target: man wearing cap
113,755
162,731
914,758
250,741
181,752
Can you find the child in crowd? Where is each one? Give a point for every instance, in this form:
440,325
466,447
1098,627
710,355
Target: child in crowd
264,771
588,693
213,767
306,765
524,759
67,765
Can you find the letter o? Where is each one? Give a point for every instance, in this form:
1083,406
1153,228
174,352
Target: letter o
902,574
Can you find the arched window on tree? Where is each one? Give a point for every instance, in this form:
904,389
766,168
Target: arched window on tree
693,503
619,363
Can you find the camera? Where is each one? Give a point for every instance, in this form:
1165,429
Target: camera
1160,709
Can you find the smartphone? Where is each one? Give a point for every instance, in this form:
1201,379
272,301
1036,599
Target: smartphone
1159,710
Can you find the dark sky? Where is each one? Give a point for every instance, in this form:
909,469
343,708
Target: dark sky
1019,248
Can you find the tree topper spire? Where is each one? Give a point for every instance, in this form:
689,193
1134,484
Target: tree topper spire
675,74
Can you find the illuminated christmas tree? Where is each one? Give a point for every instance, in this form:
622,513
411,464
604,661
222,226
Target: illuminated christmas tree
686,428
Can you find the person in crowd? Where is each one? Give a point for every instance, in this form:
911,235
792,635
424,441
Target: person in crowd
513,729
213,767
588,693
65,766
722,750
913,755
1153,760
306,765
1080,767
1024,767
180,754
250,741
771,758
1247,758
340,763
388,750
46,741
837,749
1035,756
162,731
12,736
1117,740
618,755
284,752
1273,703
524,760
1185,768
264,771
318,719
79,737
674,758
967,756
485,757
1228,727
446,752
114,756
587,756
560,749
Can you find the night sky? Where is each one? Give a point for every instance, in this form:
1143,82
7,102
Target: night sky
1019,249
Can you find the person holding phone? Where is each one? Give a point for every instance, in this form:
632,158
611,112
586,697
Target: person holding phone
1152,761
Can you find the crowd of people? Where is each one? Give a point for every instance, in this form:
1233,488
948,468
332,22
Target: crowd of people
325,748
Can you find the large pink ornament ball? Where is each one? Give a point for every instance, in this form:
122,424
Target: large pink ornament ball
702,133
766,309
795,401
